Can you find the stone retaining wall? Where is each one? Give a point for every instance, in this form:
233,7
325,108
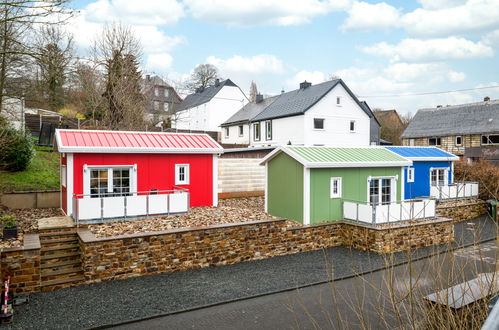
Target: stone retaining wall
23,264
462,212
31,199
175,250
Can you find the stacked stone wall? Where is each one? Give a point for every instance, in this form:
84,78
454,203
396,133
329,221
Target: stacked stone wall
462,210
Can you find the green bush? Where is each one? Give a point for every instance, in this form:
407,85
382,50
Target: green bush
16,149
9,221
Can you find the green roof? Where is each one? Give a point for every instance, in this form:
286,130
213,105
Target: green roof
342,157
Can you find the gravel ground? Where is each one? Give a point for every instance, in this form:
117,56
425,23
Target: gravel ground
117,301
231,210
27,222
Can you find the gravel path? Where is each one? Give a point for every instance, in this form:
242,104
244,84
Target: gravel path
118,301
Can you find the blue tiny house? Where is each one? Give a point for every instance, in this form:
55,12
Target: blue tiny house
432,171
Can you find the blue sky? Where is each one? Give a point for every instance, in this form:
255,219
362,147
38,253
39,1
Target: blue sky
377,47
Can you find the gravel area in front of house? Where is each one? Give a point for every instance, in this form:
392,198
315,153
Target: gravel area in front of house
27,222
231,210
118,301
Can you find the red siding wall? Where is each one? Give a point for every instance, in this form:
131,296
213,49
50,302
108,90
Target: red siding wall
64,195
156,171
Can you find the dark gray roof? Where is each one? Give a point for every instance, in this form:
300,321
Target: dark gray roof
198,98
249,111
472,118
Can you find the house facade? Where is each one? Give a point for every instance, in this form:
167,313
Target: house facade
315,184
208,108
456,128
324,114
161,99
116,174
391,125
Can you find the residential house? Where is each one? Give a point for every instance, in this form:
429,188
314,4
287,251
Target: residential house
15,111
236,129
432,174
208,108
161,98
470,130
118,174
326,114
315,184
391,125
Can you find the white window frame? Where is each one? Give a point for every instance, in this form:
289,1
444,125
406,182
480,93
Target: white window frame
256,132
488,141
109,168
241,130
446,176
323,124
336,194
64,176
268,130
461,138
166,106
186,180
227,131
393,188
410,174
350,127
412,142
437,138
156,91
156,105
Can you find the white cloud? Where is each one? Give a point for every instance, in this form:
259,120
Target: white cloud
159,63
492,39
154,40
257,64
315,77
439,4
262,12
144,12
363,16
416,50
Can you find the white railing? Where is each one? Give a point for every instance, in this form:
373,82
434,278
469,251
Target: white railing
457,190
135,205
386,213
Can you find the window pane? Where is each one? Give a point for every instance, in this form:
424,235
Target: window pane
374,191
318,123
494,139
386,191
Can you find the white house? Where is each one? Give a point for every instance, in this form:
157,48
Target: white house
208,108
324,114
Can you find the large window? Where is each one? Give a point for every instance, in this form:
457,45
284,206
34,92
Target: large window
181,174
318,123
434,141
335,188
256,131
268,130
109,182
380,191
490,139
437,176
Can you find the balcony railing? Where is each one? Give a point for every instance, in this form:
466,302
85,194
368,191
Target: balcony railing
115,206
387,213
457,190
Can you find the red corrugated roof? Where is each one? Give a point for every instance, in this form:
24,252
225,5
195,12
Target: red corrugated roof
120,141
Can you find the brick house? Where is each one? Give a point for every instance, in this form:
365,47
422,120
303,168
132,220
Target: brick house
464,130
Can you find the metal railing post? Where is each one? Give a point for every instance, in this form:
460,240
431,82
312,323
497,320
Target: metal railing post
147,205
374,214
357,212
102,209
388,215
401,206
168,204
424,209
124,206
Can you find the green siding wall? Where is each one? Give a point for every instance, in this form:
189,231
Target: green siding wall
285,188
354,187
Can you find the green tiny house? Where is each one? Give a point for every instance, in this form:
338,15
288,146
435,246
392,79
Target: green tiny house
310,184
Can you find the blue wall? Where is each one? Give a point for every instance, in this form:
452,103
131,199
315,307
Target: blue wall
421,185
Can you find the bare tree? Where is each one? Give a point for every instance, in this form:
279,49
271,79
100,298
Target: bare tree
89,86
117,51
204,75
253,91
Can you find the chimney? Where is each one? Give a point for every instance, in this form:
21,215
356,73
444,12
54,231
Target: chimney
148,77
259,98
217,82
439,106
282,91
200,89
305,84
486,99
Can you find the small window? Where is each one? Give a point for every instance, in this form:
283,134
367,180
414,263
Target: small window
181,174
410,174
156,105
434,141
335,187
227,132
338,100
352,126
165,106
167,92
63,175
412,142
268,130
241,130
256,131
318,123
459,140
156,91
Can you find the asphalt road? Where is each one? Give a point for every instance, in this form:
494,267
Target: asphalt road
345,304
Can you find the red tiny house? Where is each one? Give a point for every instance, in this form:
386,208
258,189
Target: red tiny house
130,170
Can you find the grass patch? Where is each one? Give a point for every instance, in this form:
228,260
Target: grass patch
41,174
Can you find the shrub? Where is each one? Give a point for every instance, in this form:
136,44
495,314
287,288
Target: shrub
16,149
9,221
483,172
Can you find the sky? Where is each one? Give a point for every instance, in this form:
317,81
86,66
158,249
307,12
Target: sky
383,50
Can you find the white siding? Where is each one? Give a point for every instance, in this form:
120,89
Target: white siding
240,174
234,137
284,130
